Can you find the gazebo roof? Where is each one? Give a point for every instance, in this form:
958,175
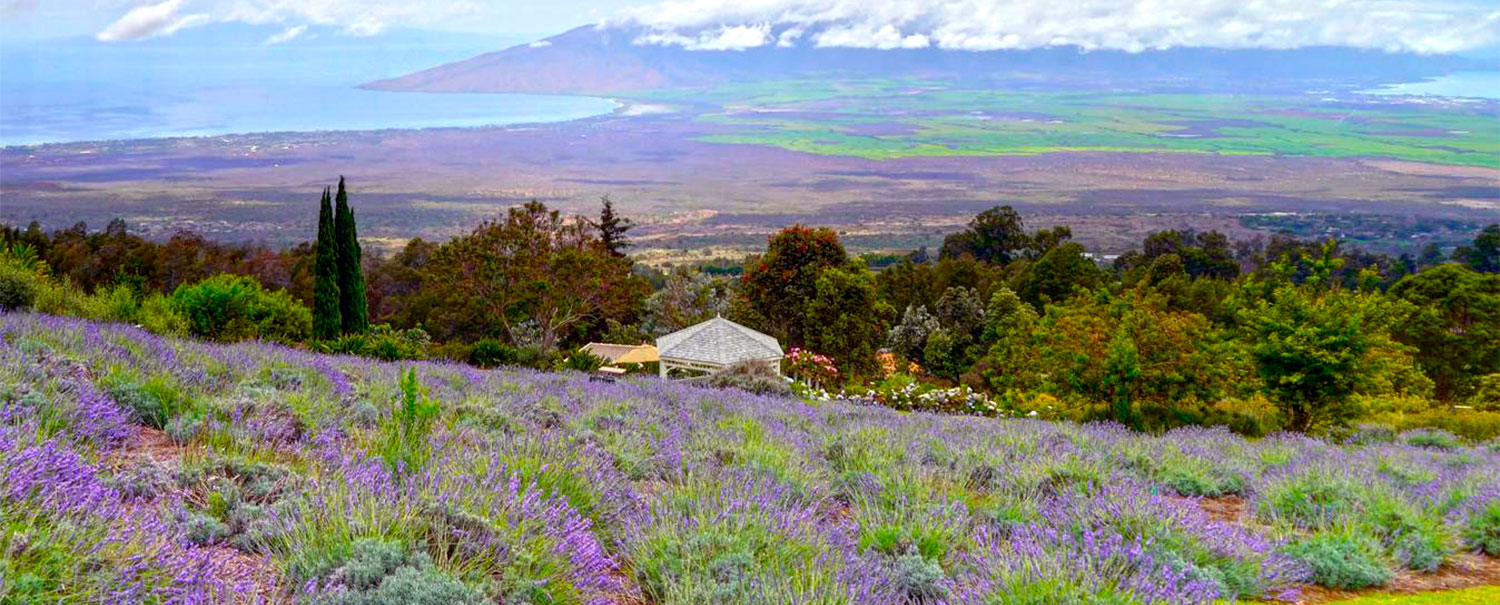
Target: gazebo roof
718,341
616,353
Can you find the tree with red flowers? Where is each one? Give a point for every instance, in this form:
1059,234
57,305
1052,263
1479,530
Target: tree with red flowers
777,286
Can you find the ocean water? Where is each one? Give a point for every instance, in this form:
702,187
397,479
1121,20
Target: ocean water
1471,84
86,91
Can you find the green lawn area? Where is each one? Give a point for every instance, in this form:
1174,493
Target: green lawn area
1481,595
1468,596
895,119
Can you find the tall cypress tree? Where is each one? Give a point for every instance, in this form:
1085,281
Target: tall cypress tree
353,307
326,319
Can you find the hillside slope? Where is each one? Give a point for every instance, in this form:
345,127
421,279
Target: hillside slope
292,476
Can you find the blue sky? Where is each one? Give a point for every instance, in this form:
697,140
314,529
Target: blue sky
1424,26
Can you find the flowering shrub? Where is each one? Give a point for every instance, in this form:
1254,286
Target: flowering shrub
811,368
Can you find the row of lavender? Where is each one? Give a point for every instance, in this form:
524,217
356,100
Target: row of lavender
532,488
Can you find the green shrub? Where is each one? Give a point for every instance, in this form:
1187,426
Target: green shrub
919,578
1370,433
1475,425
403,441
1414,540
453,351
141,480
183,428
1486,397
580,361
18,286
375,572
757,377
1437,439
204,530
382,342
230,308
154,401
1314,500
1481,531
1342,559
156,314
60,299
490,353
115,304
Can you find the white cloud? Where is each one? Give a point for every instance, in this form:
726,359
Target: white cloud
353,17
286,35
736,37
540,44
1434,26
150,21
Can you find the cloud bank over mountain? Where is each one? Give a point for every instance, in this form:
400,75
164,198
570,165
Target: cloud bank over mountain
1126,25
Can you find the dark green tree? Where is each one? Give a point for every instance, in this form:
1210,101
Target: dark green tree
997,235
354,313
326,321
1484,255
1455,328
1057,274
846,320
612,228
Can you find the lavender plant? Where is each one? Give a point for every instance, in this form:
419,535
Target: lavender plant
519,486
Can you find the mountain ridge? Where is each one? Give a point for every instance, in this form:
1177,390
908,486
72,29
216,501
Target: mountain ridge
598,60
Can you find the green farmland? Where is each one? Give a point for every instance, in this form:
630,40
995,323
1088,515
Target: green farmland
903,119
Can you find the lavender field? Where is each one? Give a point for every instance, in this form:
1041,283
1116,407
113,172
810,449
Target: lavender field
145,470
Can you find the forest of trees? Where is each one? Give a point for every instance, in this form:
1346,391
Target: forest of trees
1190,328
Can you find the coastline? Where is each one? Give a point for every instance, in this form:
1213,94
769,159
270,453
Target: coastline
621,108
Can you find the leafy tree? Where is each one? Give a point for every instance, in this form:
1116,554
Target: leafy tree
612,228
846,320
1455,327
1484,255
961,317
534,266
1129,350
1311,342
778,287
1431,254
326,321
354,314
1121,376
688,297
1203,254
1009,333
1057,275
997,235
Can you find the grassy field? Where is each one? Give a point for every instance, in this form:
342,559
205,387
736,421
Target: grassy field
145,470
905,119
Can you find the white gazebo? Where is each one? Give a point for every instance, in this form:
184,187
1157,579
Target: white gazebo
713,345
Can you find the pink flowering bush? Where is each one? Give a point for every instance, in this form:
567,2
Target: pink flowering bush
811,368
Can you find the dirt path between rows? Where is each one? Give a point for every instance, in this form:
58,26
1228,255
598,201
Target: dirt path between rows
257,573
1466,571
